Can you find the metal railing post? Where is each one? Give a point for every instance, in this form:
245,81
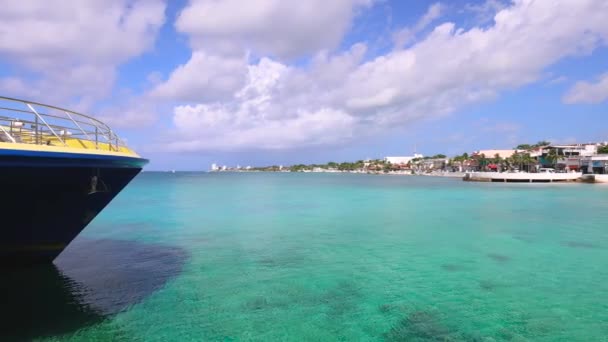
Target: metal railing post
47,125
36,130
8,135
96,138
77,125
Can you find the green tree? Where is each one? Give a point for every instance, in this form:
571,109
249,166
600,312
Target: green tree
298,168
507,163
387,167
483,161
552,157
542,143
527,161
523,147
603,149
516,160
498,161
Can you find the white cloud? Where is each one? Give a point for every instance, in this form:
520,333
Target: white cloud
339,96
204,77
268,27
434,12
72,48
224,34
130,112
322,127
254,120
484,12
407,34
588,92
457,67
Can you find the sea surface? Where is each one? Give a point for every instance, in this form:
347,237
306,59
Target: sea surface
325,257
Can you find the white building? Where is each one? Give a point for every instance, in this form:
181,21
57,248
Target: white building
214,167
492,153
574,150
402,160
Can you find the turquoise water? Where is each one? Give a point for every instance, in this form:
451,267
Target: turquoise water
334,257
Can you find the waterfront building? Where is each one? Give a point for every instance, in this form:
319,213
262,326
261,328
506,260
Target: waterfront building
571,156
402,160
433,164
504,154
597,164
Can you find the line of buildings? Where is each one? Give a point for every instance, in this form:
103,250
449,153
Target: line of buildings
585,158
590,158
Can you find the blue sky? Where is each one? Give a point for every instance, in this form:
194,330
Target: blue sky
189,83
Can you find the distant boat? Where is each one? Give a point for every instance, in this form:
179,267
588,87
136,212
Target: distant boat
172,171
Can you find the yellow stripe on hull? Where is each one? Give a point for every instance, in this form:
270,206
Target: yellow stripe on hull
73,146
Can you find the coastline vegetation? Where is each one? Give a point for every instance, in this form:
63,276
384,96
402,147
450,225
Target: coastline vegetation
521,159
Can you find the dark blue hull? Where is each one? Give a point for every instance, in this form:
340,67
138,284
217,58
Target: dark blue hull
48,198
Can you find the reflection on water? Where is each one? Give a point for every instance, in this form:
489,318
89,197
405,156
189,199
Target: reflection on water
91,280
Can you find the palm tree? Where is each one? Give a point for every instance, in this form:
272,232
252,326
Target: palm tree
517,159
497,160
527,160
552,157
511,162
483,162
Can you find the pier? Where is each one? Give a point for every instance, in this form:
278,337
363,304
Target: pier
521,177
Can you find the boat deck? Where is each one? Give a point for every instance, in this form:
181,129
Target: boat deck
27,125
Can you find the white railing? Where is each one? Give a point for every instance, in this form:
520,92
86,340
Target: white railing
36,123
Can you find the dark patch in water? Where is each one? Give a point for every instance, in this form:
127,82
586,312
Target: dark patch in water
489,285
418,326
580,244
284,259
257,303
277,262
524,238
342,298
268,262
424,326
89,281
453,267
389,308
499,257
385,308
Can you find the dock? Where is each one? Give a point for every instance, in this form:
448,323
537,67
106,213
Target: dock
521,177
